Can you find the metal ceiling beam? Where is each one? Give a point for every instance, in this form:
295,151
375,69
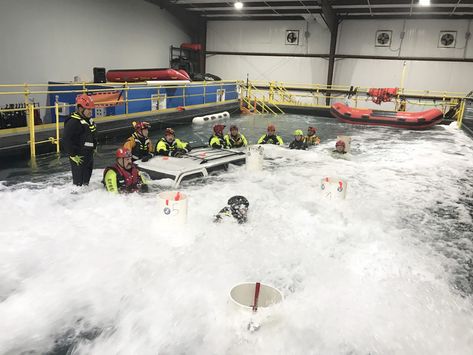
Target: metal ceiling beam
258,14
228,8
191,23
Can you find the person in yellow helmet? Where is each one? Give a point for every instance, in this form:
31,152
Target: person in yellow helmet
270,137
171,146
235,139
312,138
139,144
298,142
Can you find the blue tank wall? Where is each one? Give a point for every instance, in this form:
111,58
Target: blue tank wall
175,96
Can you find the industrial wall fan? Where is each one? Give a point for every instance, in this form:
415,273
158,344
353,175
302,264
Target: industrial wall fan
383,38
447,39
292,37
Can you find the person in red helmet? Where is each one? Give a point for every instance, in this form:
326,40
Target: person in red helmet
312,138
270,137
139,144
340,147
124,177
80,140
217,140
169,145
235,139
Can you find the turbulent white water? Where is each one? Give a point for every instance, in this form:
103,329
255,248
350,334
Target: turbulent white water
382,272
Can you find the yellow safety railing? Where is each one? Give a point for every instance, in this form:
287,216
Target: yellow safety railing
30,92
258,96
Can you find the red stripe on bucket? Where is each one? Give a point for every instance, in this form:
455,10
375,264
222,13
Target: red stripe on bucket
255,303
177,197
167,202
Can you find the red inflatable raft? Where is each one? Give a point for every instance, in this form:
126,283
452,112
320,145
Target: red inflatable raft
411,120
134,75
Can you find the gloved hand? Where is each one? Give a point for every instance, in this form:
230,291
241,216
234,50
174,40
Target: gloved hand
188,147
78,159
178,153
147,157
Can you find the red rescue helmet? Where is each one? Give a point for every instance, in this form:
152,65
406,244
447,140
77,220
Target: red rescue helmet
169,131
85,101
233,127
123,153
271,127
218,128
139,126
340,143
312,129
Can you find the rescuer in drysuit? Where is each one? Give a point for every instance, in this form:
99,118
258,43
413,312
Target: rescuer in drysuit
236,209
139,143
169,145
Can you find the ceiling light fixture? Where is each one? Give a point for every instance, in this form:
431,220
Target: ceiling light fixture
424,2
239,5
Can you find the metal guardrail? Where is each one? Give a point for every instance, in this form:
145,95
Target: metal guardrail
29,91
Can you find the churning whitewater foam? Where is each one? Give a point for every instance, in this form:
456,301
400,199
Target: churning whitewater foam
383,272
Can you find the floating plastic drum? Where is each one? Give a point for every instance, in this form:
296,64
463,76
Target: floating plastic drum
254,157
333,188
172,207
212,117
243,296
347,141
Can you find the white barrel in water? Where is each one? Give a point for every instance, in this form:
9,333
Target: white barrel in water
250,296
347,141
333,188
172,207
254,157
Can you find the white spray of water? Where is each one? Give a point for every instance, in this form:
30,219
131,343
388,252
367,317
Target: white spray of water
362,275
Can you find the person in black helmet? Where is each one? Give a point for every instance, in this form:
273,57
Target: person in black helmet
237,209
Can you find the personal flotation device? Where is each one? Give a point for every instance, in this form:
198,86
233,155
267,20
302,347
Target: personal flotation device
127,180
379,95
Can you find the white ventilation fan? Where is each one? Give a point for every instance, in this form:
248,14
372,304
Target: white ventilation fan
447,39
383,38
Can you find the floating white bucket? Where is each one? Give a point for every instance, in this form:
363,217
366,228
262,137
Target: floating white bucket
172,207
333,188
254,157
210,118
250,296
347,141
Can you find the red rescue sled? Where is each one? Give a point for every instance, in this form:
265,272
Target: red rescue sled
134,75
410,120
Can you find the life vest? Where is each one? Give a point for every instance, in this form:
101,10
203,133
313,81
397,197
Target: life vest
141,147
235,142
217,140
127,180
301,145
312,140
382,94
89,132
266,139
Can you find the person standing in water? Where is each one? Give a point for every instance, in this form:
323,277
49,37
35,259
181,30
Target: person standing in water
80,140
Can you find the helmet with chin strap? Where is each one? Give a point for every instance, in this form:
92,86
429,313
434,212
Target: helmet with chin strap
85,101
169,131
312,129
140,126
340,143
218,128
123,153
237,201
